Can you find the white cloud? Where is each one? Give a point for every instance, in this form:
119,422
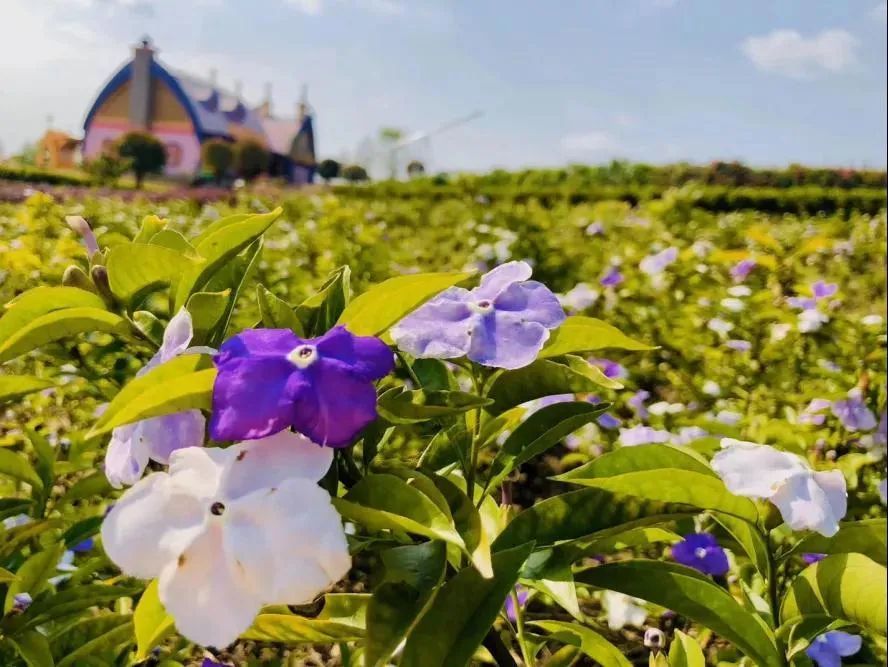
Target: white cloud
384,7
880,12
595,141
310,7
789,53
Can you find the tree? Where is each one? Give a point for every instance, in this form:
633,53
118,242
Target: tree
144,152
106,169
217,156
415,168
329,169
251,159
355,173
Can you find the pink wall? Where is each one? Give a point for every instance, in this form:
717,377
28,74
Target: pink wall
183,148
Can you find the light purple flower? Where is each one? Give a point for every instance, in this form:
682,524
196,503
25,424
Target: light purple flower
801,302
81,226
270,379
154,439
702,552
579,298
853,413
608,421
812,414
739,345
595,229
503,323
636,402
741,270
612,277
688,434
810,559
522,594
21,602
643,435
822,290
657,263
829,648
611,369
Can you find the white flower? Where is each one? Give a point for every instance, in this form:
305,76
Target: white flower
661,408
811,320
719,326
579,298
227,531
711,388
732,304
872,321
807,500
739,290
623,610
728,417
655,264
780,331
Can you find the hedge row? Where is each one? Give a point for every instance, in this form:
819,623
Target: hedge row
33,175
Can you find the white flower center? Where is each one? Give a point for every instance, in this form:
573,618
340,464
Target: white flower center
483,306
700,552
303,356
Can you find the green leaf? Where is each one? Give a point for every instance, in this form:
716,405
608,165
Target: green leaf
221,223
218,247
377,309
546,378
319,312
14,387
33,647
149,324
673,485
15,538
387,502
151,621
6,576
207,310
94,485
748,537
65,603
638,458
17,466
277,313
113,638
60,324
868,537
32,575
687,592
232,277
849,587
292,629
170,238
582,334
588,641
467,521
42,300
151,225
585,513
13,506
543,429
82,530
685,652
399,406
462,612
183,383
412,573
136,269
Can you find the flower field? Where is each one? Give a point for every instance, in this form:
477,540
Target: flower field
443,428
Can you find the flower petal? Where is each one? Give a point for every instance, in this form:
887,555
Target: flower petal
257,343
267,463
335,407
126,456
438,329
150,525
505,340
532,301
755,471
805,505
365,356
495,281
252,397
206,593
844,643
308,548
198,470
164,435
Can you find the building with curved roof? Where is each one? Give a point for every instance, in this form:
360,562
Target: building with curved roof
183,111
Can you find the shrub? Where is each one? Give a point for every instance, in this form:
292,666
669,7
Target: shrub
145,153
329,169
250,158
218,157
106,169
355,173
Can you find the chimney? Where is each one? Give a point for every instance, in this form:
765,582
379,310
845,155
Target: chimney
265,107
140,85
302,105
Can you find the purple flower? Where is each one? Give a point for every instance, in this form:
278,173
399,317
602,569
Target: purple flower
207,662
595,229
739,345
612,278
21,602
608,421
822,290
741,270
657,263
643,435
801,302
270,380
522,594
611,369
854,414
503,323
829,648
84,546
701,552
810,559
636,402
81,226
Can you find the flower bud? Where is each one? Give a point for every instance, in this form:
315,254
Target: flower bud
74,276
81,226
99,275
20,603
654,639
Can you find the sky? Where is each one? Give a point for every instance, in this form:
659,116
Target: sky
768,82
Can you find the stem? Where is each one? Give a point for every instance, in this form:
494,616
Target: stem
409,370
473,450
519,628
773,593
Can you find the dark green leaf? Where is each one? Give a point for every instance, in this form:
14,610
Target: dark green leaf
14,387
32,575
868,537
587,640
33,647
399,406
277,313
319,312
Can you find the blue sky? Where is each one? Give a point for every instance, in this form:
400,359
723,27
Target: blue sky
768,82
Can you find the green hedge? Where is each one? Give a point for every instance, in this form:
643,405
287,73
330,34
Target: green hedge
33,175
